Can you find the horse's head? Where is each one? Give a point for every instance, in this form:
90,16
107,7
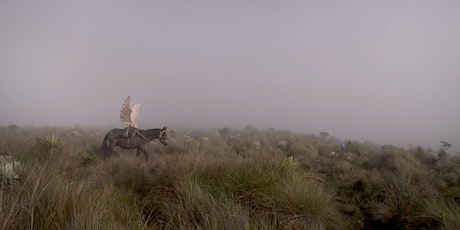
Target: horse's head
163,137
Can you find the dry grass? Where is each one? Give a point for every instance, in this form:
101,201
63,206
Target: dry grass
251,180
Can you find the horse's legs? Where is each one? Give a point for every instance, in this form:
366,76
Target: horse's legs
112,147
143,150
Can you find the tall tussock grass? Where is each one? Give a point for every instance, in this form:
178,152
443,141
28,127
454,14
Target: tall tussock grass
273,191
250,179
51,197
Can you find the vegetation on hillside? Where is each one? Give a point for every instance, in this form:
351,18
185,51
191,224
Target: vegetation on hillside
54,178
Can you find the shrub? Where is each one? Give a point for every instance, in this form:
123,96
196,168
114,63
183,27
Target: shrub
49,145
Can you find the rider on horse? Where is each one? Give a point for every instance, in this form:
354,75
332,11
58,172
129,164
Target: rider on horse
128,116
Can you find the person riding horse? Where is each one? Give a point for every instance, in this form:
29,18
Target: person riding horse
128,116
131,137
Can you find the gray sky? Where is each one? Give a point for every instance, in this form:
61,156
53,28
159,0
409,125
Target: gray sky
383,71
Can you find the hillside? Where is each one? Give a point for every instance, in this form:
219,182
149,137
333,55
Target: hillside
55,178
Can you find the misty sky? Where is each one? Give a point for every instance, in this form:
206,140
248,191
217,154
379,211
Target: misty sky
383,71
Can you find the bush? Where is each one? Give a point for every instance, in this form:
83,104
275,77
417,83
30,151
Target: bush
49,145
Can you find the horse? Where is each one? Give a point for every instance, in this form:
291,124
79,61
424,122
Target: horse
139,140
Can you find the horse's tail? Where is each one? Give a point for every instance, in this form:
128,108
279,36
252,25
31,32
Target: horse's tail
105,147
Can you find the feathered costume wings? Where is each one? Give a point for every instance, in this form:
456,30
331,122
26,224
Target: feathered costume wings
128,113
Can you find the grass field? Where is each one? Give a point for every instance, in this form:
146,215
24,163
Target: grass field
53,178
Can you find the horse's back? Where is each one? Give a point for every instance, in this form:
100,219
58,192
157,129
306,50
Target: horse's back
116,130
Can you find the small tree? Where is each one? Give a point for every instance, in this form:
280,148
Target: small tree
323,134
443,150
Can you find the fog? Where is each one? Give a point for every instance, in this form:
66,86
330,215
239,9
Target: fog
386,71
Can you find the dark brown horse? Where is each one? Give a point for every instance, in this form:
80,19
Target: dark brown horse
118,137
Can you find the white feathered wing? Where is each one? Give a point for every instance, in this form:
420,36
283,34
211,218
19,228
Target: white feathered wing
128,113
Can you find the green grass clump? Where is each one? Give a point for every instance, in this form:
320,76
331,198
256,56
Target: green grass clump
273,191
441,214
